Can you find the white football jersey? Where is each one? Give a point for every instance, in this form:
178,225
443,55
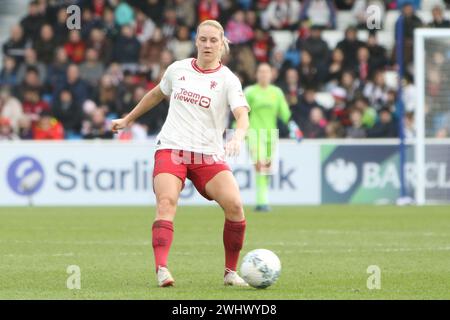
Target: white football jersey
200,101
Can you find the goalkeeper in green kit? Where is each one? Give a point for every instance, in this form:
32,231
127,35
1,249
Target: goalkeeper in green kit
267,104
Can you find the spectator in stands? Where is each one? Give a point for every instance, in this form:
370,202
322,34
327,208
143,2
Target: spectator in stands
125,91
91,70
369,115
208,10
439,21
252,19
319,12
10,108
60,29
33,21
96,126
386,127
309,75
378,55
363,67
376,90
151,50
33,104
137,92
315,127
8,74
25,128
340,110
334,130
6,130
317,47
31,81
68,111
45,45
262,45
245,62
111,29
170,23
124,14
126,48
78,87
75,47
144,27
349,46
408,21
335,67
356,130
89,21
302,110
98,8
31,62
56,74
350,84
185,12
47,128
237,30
181,46
16,44
98,41
283,14
106,95
153,9
115,73
291,86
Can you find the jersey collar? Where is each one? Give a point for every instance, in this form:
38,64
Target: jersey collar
198,69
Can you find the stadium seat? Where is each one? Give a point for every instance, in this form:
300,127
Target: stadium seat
344,19
283,39
332,37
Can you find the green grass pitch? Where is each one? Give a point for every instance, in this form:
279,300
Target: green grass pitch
325,252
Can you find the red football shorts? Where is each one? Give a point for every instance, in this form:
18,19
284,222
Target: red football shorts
197,167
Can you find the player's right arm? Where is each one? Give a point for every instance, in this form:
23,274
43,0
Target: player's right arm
150,100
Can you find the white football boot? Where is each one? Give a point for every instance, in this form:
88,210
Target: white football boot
165,279
233,279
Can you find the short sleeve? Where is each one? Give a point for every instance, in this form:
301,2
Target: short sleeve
235,95
166,82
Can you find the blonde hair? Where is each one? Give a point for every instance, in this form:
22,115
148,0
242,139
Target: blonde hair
217,25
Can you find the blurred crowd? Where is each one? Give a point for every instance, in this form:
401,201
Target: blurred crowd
58,83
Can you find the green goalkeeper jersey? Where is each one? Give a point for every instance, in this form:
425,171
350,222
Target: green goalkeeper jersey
267,104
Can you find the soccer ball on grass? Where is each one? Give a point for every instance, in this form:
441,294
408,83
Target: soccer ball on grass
260,268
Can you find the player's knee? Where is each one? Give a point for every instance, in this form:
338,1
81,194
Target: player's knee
166,205
234,209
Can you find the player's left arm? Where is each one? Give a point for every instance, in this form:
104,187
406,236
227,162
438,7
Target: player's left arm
233,146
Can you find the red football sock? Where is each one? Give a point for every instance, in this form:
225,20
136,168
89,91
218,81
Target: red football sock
162,236
233,239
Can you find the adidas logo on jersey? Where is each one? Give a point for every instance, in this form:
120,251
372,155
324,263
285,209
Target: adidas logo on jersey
182,78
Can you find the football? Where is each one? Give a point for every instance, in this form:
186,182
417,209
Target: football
260,268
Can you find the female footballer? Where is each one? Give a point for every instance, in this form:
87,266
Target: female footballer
267,103
190,145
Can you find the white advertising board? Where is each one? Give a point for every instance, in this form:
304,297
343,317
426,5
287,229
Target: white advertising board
120,173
